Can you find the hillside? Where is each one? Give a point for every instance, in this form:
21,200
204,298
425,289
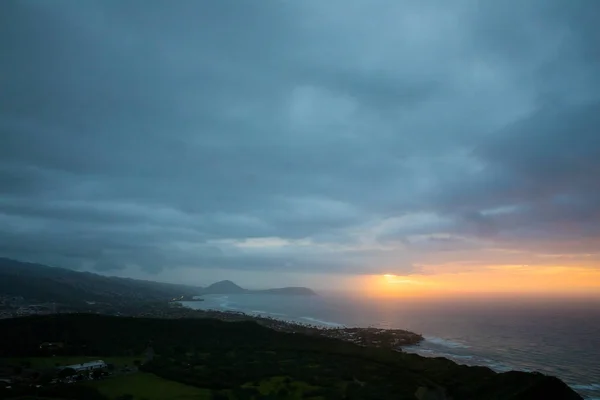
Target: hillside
223,287
242,360
228,287
51,284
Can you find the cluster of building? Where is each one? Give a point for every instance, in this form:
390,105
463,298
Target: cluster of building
375,337
9,305
371,337
8,301
86,366
82,371
18,306
36,309
31,376
367,337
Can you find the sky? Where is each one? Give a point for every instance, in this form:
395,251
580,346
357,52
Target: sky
391,146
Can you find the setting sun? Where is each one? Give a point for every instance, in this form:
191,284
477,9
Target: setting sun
493,280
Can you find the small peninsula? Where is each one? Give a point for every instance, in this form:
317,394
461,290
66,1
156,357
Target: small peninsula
229,287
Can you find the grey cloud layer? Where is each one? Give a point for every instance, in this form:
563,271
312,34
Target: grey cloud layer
366,136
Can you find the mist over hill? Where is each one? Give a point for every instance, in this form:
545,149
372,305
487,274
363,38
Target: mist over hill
44,283
53,284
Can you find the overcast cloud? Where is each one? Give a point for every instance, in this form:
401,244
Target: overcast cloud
351,137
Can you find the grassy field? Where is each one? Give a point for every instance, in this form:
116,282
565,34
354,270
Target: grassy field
145,386
294,389
51,362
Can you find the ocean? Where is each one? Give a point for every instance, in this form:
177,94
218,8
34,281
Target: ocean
560,339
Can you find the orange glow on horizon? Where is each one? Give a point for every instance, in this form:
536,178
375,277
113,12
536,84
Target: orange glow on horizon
493,280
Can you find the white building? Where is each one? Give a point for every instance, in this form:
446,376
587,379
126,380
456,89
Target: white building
87,366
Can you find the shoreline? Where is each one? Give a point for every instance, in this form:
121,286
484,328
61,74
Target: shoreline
393,339
369,337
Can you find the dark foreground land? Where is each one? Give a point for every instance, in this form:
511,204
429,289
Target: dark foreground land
372,337
214,359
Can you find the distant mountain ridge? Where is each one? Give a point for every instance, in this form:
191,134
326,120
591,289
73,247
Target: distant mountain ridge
53,284
228,287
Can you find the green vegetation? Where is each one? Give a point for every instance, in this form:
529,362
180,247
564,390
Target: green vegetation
243,360
56,392
283,385
145,386
290,373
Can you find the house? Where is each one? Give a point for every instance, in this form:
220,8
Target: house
87,366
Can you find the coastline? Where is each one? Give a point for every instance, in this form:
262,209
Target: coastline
393,339
425,346
189,350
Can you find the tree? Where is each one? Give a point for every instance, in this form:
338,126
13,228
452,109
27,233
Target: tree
46,376
66,372
179,350
97,374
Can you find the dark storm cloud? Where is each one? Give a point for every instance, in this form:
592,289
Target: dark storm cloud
539,180
342,138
